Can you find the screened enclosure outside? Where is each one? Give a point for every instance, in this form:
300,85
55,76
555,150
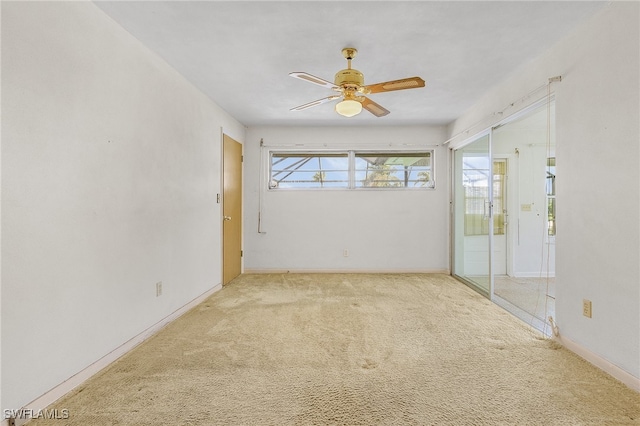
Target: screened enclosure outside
393,170
476,177
309,170
351,169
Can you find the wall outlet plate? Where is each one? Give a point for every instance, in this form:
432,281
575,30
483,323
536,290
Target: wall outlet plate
586,308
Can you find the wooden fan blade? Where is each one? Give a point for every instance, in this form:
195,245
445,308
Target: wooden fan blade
315,80
374,108
388,86
314,103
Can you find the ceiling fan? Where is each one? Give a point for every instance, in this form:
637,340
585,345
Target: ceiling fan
350,85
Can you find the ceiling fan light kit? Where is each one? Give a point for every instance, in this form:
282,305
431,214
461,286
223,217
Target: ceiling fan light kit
350,84
349,108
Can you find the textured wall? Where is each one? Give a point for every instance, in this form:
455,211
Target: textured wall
110,169
397,230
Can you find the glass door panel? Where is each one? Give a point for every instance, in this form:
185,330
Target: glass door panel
528,284
473,176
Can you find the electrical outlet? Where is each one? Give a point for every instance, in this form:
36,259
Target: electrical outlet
586,308
159,288
345,253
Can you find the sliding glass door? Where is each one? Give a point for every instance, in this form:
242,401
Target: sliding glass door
472,214
503,217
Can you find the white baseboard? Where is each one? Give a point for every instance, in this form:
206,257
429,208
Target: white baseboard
77,379
347,271
534,275
613,370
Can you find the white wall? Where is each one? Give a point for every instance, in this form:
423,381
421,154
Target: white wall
598,129
308,230
110,169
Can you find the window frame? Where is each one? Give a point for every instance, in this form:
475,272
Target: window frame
351,168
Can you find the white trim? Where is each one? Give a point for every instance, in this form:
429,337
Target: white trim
321,147
347,271
613,370
77,379
490,128
519,110
551,274
221,204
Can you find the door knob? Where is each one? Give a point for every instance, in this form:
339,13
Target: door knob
227,218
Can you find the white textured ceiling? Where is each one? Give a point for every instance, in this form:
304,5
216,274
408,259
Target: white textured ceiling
240,53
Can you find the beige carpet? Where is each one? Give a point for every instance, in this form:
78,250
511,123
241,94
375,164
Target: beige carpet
349,349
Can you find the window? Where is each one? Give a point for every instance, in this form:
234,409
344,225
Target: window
499,189
551,196
393,170
351,169
309,170
476,174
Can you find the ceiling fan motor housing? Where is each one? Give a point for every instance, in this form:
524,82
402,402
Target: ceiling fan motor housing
349,77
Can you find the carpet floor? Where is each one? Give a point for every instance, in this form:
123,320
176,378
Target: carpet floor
349,349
